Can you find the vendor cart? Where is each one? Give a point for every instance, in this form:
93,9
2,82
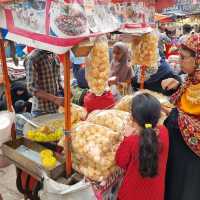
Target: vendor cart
48,33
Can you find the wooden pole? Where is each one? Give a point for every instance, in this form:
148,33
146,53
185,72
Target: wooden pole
5,76
142,77
7,84
67,104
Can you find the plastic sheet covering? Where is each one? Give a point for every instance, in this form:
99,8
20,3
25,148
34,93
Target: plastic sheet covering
57,25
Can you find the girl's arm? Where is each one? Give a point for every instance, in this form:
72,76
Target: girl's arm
123,154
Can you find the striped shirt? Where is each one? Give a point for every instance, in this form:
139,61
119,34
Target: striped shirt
42,73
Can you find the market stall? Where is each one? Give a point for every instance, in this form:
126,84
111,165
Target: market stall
163,18
193,19
82,22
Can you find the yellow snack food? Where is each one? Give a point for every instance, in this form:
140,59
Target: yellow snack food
49,162
53,130
46,153
38,136
78,113
45,130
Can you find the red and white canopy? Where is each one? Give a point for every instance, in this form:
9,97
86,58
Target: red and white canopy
57,25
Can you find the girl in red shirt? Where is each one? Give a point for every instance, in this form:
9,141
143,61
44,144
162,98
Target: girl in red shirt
143,152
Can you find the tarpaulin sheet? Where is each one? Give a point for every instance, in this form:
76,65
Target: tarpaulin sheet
163,18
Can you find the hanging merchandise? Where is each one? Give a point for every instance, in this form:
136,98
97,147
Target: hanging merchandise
145,54
145,50
97,70
137,17
57,25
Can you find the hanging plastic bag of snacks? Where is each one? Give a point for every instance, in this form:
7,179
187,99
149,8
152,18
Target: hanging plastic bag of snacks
145,50
97,70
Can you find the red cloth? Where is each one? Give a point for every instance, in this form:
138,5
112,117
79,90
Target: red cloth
168,53
29,49
160,4
61,57
134,186
93,102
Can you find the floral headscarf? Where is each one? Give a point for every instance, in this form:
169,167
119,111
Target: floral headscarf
187,100
193,43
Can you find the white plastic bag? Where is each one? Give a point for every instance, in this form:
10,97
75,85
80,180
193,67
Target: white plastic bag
6,121
53,190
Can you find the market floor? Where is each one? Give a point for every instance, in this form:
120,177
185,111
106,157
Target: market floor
8,188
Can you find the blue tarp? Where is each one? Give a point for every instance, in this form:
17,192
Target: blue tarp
4,32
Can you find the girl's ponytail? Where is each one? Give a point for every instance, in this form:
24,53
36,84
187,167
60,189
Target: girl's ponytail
148,153
146,113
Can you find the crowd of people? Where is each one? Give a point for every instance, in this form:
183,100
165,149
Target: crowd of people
182,161
160,162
